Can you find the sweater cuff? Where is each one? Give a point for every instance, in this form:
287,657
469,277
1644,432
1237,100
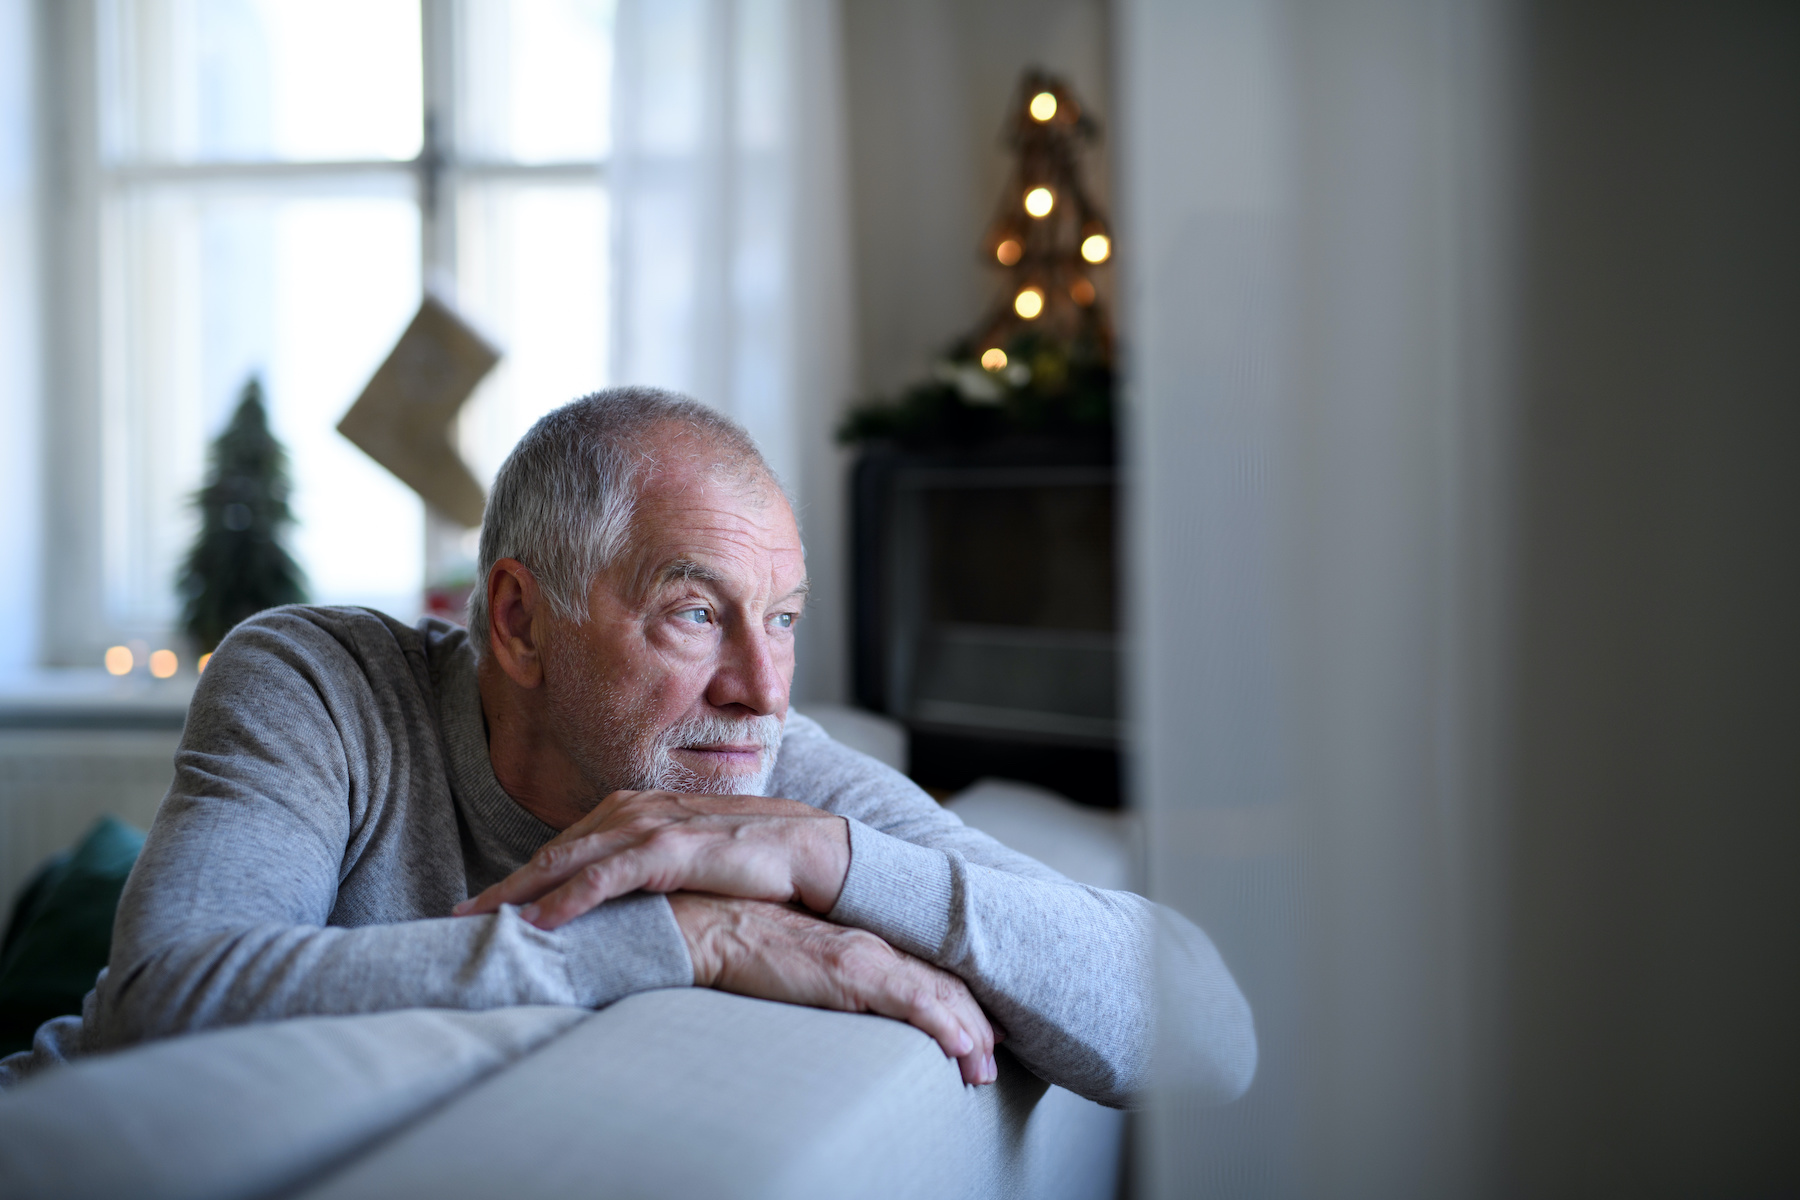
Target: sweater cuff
897,890
631,944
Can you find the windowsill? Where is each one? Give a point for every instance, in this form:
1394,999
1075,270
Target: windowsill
81,698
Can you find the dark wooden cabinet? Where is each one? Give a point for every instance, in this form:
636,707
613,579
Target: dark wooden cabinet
987,606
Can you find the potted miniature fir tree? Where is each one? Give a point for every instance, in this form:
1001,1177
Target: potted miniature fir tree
238,565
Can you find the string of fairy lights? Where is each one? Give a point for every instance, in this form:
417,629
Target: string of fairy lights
161,664
1048,235
1049,231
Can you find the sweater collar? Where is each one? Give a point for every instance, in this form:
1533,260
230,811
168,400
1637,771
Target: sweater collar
505,835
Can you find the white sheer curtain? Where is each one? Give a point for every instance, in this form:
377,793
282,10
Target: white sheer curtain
731,251
1311,202
19,448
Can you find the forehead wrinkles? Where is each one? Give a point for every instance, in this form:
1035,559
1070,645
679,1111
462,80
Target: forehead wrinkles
693,528
683,481
681,456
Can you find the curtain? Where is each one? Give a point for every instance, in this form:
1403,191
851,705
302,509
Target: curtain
731,249
1311,340
19,446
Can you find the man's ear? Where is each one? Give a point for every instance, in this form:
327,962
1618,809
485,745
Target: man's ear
516,613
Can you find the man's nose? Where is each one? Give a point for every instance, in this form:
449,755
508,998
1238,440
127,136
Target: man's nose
749,674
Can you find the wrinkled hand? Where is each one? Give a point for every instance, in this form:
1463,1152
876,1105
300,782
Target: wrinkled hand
754,847
775,952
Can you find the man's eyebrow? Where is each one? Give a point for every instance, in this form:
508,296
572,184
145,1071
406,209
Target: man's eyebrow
686,570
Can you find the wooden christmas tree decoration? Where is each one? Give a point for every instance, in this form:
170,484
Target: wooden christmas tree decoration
1040,360
1048,234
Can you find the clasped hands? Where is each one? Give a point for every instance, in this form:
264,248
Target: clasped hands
745,876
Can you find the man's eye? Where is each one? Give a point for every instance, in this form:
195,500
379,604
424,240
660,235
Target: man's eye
698,616
784,620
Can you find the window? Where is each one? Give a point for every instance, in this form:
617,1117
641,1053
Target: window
269,186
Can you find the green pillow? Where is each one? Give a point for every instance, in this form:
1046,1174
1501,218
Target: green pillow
61,931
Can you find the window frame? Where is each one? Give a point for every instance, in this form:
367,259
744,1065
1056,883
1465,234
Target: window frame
76,625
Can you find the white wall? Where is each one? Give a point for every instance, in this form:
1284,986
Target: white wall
55,783
731,252
20,450
929,86
822,343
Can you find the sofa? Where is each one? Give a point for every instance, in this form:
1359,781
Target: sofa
682,1092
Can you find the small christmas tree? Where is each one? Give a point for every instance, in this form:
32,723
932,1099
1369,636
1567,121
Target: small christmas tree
238,566
1041,359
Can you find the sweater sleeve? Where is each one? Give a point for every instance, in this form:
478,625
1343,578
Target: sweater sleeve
282,779
1069,971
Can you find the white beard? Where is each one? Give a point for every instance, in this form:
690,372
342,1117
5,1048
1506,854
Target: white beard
617,749
653,768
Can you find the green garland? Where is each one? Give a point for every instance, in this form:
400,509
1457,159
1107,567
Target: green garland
1048,388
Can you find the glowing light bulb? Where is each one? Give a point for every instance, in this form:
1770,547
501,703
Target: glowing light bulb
1081,292
994,359
1039,201
163,663
1043,107
1009,252
1096,247
1029,303
118,660
201,665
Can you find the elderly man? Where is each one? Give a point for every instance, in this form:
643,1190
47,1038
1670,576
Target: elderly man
600,790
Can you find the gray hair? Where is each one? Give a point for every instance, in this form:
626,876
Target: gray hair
563,501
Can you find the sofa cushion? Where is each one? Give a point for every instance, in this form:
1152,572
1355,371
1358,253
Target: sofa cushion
248,1111
691,1092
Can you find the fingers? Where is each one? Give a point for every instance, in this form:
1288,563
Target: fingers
978,1066
978,1070
593,885
940,1004
552,864
667,842
922,1012
780,953
619,820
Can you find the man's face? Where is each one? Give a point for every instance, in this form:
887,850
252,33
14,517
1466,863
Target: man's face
679,678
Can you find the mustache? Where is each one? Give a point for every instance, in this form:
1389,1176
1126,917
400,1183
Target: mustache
658,770
707,729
